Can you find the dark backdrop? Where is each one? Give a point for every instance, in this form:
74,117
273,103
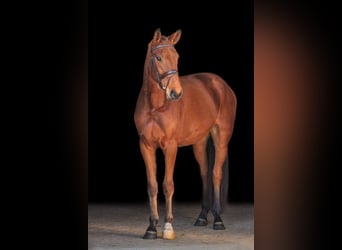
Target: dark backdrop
216,38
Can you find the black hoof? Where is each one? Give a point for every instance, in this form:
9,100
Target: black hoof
201,222
150,235
218,225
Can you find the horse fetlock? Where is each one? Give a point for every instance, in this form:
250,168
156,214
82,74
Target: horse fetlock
169,219
153,221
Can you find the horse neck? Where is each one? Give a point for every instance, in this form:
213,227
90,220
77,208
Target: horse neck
153,94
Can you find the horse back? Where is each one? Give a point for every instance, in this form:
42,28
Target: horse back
207,98
207,91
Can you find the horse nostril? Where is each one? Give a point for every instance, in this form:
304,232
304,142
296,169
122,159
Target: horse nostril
174,95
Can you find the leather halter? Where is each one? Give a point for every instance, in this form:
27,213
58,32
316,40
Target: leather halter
159,76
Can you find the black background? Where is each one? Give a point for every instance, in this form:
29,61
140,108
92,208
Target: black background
214,39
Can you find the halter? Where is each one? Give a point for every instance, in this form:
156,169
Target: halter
170,72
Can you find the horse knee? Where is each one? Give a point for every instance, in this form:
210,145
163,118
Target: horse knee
152,189
168,188
217,176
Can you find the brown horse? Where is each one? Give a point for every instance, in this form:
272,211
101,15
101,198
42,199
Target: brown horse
174,111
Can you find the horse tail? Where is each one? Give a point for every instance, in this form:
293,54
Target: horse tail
225,176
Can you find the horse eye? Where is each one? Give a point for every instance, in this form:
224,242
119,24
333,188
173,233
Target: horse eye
158,58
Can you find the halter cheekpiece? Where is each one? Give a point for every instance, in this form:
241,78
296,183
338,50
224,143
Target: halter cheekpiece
159,76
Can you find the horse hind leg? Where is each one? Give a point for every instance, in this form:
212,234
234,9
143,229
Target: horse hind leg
221,152
200,155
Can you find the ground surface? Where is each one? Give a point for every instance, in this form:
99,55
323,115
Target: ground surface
121,226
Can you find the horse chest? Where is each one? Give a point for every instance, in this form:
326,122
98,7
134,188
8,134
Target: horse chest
154,129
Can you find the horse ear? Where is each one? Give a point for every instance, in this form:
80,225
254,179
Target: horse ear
174,38
157,36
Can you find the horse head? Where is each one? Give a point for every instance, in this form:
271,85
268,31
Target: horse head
164,63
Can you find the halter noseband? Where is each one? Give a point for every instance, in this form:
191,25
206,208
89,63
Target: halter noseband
170,72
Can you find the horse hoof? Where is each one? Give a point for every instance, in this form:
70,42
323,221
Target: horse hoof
150,235
219,225
168,233
201,222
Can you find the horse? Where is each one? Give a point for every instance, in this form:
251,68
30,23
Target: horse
174,111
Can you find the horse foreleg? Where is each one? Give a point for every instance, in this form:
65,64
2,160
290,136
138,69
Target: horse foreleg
201,158
170,152
149,157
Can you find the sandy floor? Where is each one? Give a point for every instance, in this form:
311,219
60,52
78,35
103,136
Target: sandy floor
121,226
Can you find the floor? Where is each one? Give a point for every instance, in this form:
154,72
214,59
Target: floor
121,226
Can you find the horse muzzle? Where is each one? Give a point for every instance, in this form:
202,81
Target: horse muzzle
174,96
